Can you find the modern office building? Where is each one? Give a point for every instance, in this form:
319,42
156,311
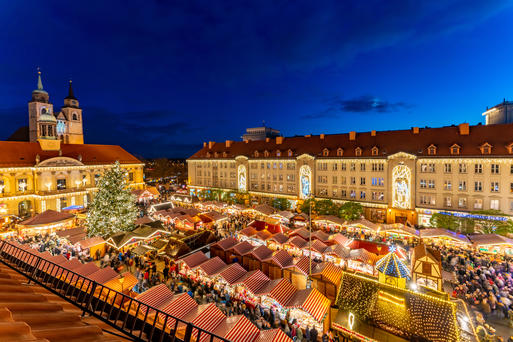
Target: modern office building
260,133
398,176
499,114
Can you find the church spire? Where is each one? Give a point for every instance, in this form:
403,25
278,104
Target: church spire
39,82
70,91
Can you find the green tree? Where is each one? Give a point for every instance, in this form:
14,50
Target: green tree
326,207
350,211
113,208
305,206
281,203
444,221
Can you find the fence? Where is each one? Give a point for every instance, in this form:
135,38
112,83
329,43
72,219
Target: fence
110,306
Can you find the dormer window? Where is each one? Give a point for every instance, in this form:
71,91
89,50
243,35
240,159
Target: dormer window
374,151
486,148
510,148
325,152
340,152
266,153
216,154
431,150
255,154
225,154
455,149
358,152
208,154
289,153
278,153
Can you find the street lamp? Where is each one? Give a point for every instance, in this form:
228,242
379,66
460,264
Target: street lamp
309,280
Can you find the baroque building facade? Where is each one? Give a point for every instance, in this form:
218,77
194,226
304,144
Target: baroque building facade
398,176
53,168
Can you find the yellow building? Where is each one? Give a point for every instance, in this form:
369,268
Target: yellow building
398,176
52,168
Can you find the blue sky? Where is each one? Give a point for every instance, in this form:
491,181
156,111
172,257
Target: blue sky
161,77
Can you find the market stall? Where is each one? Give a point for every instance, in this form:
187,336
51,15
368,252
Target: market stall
259,258
363,226
297,273
278,262
262,237
321,236
273,335
283,216
222,248
340,239
277,241
179,306
210,268
296,245
301,232
191,261
444,237
329,223
240,251
310,308
156,297
47,222
426,267
360,260
146,195
326,279
247,234
93,246
209,317
392,271
492,244
400,231
276,294
237,329
337,254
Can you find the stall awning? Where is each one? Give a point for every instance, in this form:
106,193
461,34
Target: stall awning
128,282
300,232
279,238
320,235
274,335
156,296
213,266
297,242
243,248
237,329
209,319
329,219
340,239
254,280
319,246
248,231
329,271
93,241
283,259
434,233
338,250
227,243
83,270
313,302
195,259
303,265
263,235
233,273
103,275
282,291
179,307
262,253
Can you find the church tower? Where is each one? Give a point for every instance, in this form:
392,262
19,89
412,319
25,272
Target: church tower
69,120
42,122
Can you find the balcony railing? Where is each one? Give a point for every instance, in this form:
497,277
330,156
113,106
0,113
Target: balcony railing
64,191
110,306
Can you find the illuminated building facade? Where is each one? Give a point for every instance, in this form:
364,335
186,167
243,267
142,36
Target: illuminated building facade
398,176
51,168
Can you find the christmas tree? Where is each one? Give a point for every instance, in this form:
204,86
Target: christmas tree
113,208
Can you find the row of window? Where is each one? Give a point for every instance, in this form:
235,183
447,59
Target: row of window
462,185
462,168
376,167
455,149
462,202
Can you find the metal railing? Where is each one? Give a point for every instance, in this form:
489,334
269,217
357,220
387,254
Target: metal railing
135,319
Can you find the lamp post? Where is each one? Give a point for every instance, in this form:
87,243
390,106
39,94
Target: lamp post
309,279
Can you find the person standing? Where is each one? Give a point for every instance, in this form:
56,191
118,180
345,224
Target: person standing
313,334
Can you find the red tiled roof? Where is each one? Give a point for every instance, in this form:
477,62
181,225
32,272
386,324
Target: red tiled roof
254,280
233,273
243,248
297,242
319,246
237,329
227,243
19,153
213,266
262,253
303,265
387,142
279,238
49,216
274,335
248,231
195,259
304,233
283,259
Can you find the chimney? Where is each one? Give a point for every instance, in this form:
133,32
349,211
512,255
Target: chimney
204,144
279,140
322,136
308,136
352,136
373,133
415,130
267,139
211,144
464,128
228,143
246,141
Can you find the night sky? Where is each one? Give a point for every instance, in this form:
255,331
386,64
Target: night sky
161,77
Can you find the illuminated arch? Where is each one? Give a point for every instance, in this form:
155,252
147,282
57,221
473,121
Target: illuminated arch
401,187
305,181
241,176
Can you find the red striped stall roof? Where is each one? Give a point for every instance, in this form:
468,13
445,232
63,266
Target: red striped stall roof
282,291
243,248
233,273
248,231
156,296
255,280
320,235
298,242
69,264
311,301
194,260
129,281
227,243
283,259
179,306
303,265
339,251
319,246
83,270
263,235
340,238
103,275
212,266
279,238
209,319
304,233
329,271
273,335
237,329
262,253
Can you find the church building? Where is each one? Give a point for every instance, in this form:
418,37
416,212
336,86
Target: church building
48,166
